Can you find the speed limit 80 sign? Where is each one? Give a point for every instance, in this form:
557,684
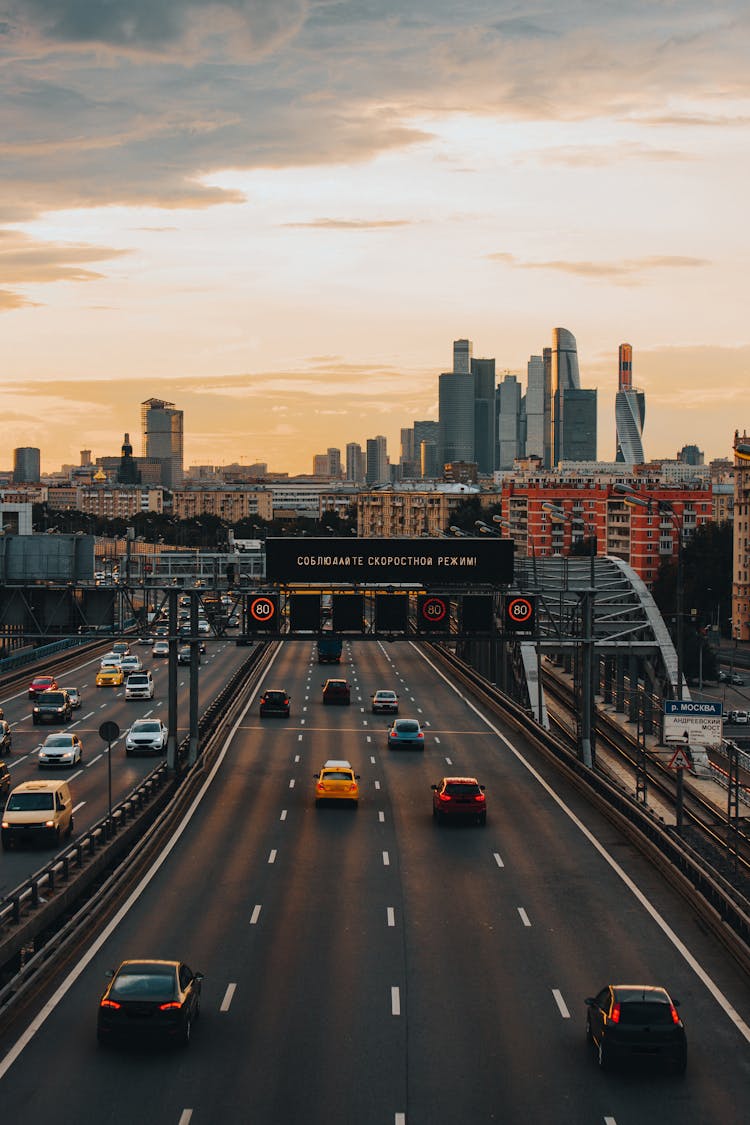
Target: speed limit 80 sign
433,613
263,614
520,613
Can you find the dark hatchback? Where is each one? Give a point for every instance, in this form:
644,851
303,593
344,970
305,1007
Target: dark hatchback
636,1021
336,691
459,798
147,1000
274,702
52,707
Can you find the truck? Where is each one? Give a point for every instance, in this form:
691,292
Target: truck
329,650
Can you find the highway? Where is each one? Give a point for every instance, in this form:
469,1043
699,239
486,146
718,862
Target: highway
369,966
89,782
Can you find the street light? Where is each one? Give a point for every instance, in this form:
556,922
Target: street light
485,529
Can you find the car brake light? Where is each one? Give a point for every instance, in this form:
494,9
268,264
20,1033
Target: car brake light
615,1016
443,797
169,1005
421,734
109,1004
673,1011
479,797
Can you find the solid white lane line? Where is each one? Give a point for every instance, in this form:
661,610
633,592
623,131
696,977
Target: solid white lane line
390,914
6,1062
381,816
524,916
272,855
78,806
395,1001
498,860
96,759
561,1003
283,815
386,859
710,984
228,996
255,914
291,784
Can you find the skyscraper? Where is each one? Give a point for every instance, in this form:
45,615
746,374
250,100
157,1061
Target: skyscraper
462,350
456,417
355,462
564,376
377,471
162,429
509,422
538,409
630,412
483,371
579,437
26,465
426,438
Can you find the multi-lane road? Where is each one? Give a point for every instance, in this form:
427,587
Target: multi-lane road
369,966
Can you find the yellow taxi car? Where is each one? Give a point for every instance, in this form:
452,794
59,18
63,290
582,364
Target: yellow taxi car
336,781
109,676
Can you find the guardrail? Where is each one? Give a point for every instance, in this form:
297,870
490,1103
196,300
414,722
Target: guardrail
720,905
102,859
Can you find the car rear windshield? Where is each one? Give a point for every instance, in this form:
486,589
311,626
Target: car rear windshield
645,1012
337,775
144,986
52,699
30,802
456,789
275,696
138,678
407,728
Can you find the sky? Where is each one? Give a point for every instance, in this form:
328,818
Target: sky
279,214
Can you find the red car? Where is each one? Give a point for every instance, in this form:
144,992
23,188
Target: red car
459,798
40,684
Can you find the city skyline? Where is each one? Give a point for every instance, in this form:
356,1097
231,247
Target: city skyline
279,217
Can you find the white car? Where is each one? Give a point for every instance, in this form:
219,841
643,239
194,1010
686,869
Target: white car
109,659
385,701
132,663
60,750
146,736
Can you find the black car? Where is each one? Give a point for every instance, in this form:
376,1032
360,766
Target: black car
150,1000
336,691
183,655
274,702
636,1021
52,707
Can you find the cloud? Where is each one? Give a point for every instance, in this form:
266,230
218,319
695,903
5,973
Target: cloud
26,261
350,224
140,103
629,271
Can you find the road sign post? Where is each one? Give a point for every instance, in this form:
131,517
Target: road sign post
109,732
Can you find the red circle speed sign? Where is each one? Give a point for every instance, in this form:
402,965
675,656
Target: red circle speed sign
263,609
434,609
519,611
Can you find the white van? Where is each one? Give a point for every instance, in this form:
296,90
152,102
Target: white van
139,685
37,810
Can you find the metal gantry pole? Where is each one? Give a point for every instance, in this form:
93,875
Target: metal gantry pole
172,684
